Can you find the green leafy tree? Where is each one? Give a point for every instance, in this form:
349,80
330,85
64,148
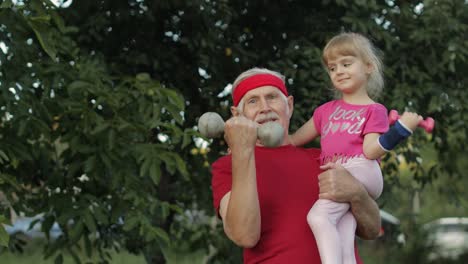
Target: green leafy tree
99,99
89,147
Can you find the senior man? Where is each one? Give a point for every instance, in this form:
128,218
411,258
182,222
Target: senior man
263,194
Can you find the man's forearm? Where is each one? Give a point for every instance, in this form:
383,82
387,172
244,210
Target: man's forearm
367,215
242,223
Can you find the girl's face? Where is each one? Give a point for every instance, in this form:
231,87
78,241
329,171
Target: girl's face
349,74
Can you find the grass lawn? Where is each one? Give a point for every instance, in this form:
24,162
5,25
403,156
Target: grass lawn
33,254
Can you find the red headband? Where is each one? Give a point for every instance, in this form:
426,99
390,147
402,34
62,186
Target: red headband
256,81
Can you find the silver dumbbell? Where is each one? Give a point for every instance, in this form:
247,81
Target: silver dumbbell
211,125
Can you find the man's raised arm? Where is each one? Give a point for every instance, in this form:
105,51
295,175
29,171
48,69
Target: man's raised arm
239,208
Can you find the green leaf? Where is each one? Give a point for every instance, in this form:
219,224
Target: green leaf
43,18
88,246
117,212
61,25
174,98
39,127
89,221
4,220
76,232
43,112
75,256
6,4
43,34
155,172
187,137
169,161
3,157
181,167
111,139
78,85
165,209
59,259
161,234
53,247
144,169
10,179
156,115
177,209
175,113
47,225
101,216
90,164
76,88
22,128
4,237
131,223
143,77
106,160
99,128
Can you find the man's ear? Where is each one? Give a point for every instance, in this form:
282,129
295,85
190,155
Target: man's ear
234,111
291,105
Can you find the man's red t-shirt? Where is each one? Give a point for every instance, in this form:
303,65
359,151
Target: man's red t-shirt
287,183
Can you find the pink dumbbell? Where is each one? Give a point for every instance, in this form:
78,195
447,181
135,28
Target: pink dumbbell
427,124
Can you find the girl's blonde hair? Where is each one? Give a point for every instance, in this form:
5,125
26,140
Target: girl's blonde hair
354,44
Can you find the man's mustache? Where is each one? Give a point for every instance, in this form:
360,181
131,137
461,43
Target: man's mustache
262,118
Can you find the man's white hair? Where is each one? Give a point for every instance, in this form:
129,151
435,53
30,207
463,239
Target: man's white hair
252,72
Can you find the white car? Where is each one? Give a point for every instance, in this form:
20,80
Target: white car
390,228
449,236
30,227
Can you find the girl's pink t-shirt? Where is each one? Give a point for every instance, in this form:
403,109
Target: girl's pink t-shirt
342,127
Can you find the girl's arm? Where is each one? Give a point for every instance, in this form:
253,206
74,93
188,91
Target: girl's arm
371,147
305,134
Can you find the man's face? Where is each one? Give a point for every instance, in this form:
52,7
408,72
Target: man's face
267,103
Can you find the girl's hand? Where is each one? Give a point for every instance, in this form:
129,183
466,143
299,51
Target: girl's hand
411,120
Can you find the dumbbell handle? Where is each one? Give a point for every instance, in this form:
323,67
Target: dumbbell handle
427,124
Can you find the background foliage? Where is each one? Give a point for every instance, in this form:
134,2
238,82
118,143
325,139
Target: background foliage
99,99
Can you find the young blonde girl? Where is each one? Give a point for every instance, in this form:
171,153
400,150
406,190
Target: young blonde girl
354,132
